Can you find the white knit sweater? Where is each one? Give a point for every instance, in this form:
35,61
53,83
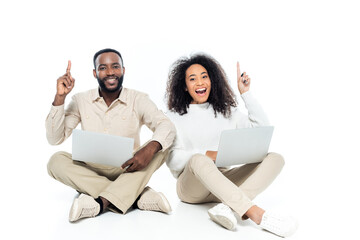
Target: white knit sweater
199,131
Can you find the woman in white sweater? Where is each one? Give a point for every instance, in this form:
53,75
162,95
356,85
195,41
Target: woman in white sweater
202,105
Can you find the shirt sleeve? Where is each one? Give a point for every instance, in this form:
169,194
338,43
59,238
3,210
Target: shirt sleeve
60,123
256,116
161,126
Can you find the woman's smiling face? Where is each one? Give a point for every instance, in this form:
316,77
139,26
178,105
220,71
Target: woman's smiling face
198,83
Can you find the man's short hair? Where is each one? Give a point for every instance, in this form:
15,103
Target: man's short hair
105,51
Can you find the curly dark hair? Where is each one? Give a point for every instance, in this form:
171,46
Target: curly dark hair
221,97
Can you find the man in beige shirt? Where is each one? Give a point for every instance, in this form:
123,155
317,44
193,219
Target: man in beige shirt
115,110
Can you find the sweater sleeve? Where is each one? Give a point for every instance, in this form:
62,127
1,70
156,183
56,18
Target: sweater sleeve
180,152
256,116
177,160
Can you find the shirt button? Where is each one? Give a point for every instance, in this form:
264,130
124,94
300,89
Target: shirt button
123,118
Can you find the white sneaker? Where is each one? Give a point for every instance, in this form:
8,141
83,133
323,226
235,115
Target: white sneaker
151,200
283,226
223,215
84,206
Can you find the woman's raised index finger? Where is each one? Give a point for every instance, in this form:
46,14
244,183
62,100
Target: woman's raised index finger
238,69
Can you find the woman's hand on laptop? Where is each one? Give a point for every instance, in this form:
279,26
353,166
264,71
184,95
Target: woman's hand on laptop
143,157
211,154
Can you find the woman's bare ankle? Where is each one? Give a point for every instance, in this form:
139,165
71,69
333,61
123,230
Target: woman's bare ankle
255,213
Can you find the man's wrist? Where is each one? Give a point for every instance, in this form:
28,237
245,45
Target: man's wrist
154,146
59,100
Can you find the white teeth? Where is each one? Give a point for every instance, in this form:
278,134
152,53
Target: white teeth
201,89
111,80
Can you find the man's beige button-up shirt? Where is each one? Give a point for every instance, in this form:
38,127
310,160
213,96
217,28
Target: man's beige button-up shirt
124,117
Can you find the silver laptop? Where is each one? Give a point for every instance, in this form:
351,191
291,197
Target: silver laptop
101,148
243,146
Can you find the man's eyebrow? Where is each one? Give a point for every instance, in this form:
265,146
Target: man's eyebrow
101,65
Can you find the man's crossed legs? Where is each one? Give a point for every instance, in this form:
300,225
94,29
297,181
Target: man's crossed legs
106,187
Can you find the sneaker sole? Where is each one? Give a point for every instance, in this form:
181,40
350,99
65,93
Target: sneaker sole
222,221
74,210
166,204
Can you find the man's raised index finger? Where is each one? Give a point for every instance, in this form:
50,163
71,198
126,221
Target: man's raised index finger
68,67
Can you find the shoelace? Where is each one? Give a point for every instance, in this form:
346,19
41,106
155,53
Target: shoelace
152,206
87,212
274,223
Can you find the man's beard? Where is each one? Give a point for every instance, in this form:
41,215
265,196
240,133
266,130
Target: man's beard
103,86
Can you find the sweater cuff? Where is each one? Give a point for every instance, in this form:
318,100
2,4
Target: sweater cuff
246,94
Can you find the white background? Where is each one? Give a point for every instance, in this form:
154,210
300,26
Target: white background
302,56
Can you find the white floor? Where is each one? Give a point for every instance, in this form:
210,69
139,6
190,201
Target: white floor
185,221
42,212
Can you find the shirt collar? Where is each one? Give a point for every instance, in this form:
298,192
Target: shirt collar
95,95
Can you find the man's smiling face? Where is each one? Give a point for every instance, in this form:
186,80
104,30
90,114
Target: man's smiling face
109,71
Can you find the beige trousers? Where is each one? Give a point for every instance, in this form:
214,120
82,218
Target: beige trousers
121,189
201,181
